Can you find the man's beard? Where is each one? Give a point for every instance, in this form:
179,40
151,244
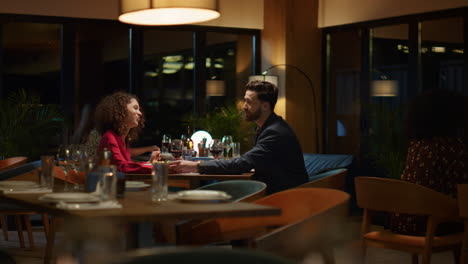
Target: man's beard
252,116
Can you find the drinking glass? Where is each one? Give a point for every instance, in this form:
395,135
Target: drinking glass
47,173
63,161
236,149
227,143
159,186
165,143
108,182
176,148
216,148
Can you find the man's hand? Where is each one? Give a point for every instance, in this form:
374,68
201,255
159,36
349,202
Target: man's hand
155,155
182,166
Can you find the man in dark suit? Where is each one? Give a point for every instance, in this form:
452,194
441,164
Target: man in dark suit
276,157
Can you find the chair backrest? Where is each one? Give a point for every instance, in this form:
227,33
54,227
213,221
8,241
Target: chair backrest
11,163
334,179
463,200
20,170
240,190
388,195
210,255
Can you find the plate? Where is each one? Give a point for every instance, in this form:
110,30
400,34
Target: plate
203,196
69,197
18,184
135,185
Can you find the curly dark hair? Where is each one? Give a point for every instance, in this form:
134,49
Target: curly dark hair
111,113
438,113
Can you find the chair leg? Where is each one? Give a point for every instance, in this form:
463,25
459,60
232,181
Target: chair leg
27,223
19,225
45,222
50,241
3,222
414,259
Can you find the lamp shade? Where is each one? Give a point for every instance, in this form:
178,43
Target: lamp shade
215,88
269,78
167,12
384,88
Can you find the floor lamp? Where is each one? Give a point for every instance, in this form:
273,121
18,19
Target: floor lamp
274,79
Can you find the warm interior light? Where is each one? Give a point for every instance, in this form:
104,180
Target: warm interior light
384,88
198,137
215,88
165,12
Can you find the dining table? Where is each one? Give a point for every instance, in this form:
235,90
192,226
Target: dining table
193,178
137,207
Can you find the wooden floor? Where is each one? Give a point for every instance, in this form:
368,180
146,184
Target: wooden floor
343,253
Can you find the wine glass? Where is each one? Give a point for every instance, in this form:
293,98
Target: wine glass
216,148
176,148
227,143
165,143
63,161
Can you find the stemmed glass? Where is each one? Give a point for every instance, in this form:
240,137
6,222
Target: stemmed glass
176,148
227,143
165,143
63,161
216,148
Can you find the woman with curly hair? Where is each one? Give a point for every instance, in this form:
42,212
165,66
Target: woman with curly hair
119,119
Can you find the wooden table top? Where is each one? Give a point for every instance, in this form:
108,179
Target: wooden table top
137,206
195,176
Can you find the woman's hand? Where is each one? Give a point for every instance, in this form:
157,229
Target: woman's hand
155,155
182,166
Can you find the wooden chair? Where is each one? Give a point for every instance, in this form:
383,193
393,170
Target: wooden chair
310,218
25,172
385,195
463,211
334,179
11,163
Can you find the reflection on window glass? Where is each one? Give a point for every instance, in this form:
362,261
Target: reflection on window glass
343,111
31,59
442,54
168,82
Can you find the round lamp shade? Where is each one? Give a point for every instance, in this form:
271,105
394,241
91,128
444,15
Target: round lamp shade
167,12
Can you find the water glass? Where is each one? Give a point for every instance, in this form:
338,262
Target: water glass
227,143
165,143
108,183
159,187
235,150
47,173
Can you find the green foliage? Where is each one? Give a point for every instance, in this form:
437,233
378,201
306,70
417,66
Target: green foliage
26,126
386,141
226,120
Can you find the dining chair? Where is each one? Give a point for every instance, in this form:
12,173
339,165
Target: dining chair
334,179
463,211
395,196
240,190
27,171
310,220
11,163
202,255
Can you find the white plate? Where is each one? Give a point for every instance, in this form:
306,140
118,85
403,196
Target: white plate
69,197
203,196
20,184
135,184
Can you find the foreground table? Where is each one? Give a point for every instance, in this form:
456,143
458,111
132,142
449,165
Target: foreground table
194,178
138,207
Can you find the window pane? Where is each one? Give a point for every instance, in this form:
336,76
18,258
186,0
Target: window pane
442,54
343,111
168,82
31,59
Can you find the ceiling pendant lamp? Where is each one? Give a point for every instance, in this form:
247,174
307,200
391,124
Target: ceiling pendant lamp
167,12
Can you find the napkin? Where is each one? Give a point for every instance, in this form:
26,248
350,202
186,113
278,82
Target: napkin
23,190
89,206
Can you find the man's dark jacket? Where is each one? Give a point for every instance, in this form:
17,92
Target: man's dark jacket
276,157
